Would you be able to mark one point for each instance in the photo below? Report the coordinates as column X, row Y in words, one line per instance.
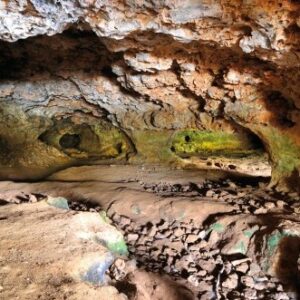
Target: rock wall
column 146, row 70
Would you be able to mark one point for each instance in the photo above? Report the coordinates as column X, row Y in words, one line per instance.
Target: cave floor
column 189, row 235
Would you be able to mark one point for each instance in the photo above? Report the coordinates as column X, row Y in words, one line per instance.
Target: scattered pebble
column 185, row 252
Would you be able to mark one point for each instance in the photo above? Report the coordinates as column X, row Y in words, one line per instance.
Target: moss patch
column 272, row 243
column 285, row 154
column 111, row 238
column 100, row 140
column 218, row 227
column 58, row 202
column 206, row 143
column 153, row 146
column 33, row 146
column 117, row 248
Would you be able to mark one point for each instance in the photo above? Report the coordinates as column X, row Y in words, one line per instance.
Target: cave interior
column 157, row 162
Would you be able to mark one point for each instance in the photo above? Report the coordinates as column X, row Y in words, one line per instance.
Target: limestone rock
column 147, row 68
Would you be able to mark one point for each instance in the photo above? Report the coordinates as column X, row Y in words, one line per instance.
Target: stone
column 261, row 210
column 193, row 248
column 209, row 193
column 124, row 221
column 243, row 268
column 198, row 246
column 178, row 246
column 269, row 205
column 208, row 296
column 280, row 204
column 168, row 233
column 213, row 252
column 132, row 237
column 169, row 84
column 153, row 231
column 279, row 288
column 207, row 265
column 281, row 296
column 191, row 238
column 248, row 281
column 259, row 286
column 227, row 266
column 178, row 232
column 250, row 294
column 231, row 282
column 58, row 202
column 193, row 279
column 160, row 236
column 254, row 269
column 204, row 286
column 168, row 251
column 202, row 273
column 192, row 269
column 240, row 261
column 181, row 264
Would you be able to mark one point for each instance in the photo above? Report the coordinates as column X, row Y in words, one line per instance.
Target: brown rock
column 178, row 232
column 207, row 265
column 231, row 282
column 191, row 238
column 132, row 237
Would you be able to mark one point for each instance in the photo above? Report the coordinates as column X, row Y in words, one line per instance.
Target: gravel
column 184, row 252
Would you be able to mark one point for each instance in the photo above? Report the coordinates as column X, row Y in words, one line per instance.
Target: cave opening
column 69, row 140
column 164, row 180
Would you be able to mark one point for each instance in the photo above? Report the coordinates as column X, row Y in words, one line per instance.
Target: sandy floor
column 44, row 252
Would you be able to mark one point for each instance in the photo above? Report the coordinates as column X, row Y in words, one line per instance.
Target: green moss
column 285, row 154
column 248, row 233
column 104, row 216
column 31, row 148
column 153, row 146
column 113, row 142
column 118, row 248
column 100, row 140
column 192, row 142
column 272, row 243
column 218, row 227
column 240, row 247
column 169, row 147
column 58, row 202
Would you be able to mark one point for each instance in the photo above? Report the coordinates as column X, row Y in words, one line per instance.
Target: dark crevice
column 70, row 140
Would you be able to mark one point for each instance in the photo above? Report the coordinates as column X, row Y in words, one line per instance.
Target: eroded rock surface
column 37, row 263
column 191, row 108
column 150, row 69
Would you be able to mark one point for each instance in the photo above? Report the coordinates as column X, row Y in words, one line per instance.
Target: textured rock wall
column 154, row 67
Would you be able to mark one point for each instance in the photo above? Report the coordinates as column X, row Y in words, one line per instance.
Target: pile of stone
column 84, row 206
column 20, row 197
column 182, row 251
column 246, row 198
